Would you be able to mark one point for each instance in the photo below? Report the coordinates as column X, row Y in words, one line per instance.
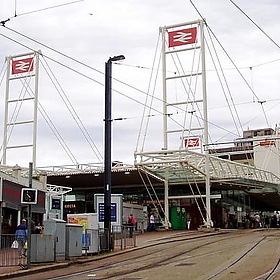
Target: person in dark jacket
column 21, row 237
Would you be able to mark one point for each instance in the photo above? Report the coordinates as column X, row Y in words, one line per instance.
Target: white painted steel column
column 205, row 118
column 4, row 159
column 34, row 136
column 166, row 204
column 165, row 139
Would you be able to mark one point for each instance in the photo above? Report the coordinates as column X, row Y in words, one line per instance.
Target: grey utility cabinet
column 57, row 228
column 42, row 248
column 74, row 233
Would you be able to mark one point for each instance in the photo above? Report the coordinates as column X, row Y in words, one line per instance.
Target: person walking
column 151, row 226
column 131, row 223
column 21, row 238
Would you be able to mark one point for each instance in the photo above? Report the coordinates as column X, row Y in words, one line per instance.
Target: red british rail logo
column 182, row 37
column 22, row 65
column 192, row 142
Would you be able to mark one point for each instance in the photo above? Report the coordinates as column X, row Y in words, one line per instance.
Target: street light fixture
column 107, row 147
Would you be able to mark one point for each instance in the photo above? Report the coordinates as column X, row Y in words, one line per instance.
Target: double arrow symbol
column 22, row 65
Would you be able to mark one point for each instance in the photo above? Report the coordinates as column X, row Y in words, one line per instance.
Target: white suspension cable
column 72, row 111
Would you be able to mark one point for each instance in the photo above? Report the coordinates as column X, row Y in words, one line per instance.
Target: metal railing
column 122, row 237
column 9, row 256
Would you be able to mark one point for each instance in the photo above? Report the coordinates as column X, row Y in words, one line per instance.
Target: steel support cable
column 154, row 191
column 183, row 164
column 148, row 119
column 44, row 9
column 56, row 133
column 77, row 61
column 16, row 111
column 231, row 94
column 72, row 111
column 188, row 91
column 149, row 193
column 183, row 110
column 78, row 71
column 265, row 116
column 219, row 127
column 19, row 103
column 226, row 53
column 195, row 106
column 193, row 92
column 146, row 100
column 144, row 183
column 83, row 75
column 2, row 74
column 53, row 60
column 195, row 198
column 276, row 105
column 181, row 70
column 227, row 87
column 54, row 129
column 255, row 24
column 226, row 83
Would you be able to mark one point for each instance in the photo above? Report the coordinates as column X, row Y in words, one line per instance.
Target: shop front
column 12, row 210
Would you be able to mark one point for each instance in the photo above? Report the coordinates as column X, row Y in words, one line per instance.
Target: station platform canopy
column 190, row 167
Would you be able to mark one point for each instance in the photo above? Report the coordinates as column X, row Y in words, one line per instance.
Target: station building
column 12, row 210
column 232, row 201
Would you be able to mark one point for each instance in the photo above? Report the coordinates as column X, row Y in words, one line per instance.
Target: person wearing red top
column 132, row 223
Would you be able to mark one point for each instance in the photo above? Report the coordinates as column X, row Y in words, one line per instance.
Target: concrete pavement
column 143, row 239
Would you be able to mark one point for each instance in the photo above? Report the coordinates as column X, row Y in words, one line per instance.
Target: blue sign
column 113, row 212
column 86, row 240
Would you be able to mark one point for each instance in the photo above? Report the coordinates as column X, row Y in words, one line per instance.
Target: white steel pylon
column 183, row 49
column 21, row 103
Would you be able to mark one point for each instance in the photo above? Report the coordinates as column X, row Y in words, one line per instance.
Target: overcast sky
column 92, row 31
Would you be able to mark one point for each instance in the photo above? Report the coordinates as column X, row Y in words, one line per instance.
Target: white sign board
column 116, row 209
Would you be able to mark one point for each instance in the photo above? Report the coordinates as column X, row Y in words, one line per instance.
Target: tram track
column 268, row 275
column 218, row 275
column 198, row 256
column 237, row 260
column 155, row 258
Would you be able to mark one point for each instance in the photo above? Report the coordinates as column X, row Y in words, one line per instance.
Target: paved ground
column 178, row 255
column 143, row 239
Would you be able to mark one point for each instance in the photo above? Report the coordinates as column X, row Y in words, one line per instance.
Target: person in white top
column 151, row 226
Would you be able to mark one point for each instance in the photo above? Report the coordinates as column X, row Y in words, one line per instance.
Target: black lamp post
column 107, row 146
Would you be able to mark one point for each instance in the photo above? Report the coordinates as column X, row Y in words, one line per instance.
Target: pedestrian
column 257, row 221
column 21, row 237
column 188, row 221
column 131, row 223
column 151, row 226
